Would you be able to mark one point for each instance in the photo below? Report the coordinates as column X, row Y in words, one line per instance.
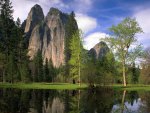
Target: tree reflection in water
column 97, row 100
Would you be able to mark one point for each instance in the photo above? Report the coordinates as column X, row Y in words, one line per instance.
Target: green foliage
column 145, row 67
column 46, row 71
column 75, row 61
column 124, row 36
column 106, row 67
column 11, row 68
column 71, row 29
column 52, row 71
column 10, row 43
column 24, row 68
column 99, row 70
column 135, row 74
column 89, row 72
column 6, row 25
column 38, row 66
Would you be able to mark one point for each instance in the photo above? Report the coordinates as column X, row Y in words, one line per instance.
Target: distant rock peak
column 99, row 50
column 54, row 11
column 35, row 17
column 36, row 6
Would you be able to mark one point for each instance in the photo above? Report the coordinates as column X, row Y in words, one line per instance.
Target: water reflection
column 98, row 100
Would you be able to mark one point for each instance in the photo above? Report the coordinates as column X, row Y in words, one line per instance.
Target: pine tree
column 11, row 68
column 51, row 71
column 24, row 71
column 135, row 74
column 38, row 65
column 46, row 71
column 6, row 23
column 76, row 56
column 71, row 28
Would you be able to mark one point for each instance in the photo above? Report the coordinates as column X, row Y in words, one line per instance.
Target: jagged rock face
column 35, row 17
column 39, row 40
column 23, row 25
column 99, row 50
column 49, row 36
column 54, row 106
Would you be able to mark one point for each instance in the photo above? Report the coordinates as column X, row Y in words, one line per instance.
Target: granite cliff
column 46, row 34
column 99, row 50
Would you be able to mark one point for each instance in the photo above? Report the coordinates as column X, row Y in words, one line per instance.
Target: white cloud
column 22, row 7
column 92, row 39
column 86, row 23
column 82, row 6
column 143, row 19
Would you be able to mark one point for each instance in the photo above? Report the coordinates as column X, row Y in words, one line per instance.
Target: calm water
column 80, row 101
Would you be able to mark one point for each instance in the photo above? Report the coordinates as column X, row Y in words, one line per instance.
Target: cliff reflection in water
column 99, row 100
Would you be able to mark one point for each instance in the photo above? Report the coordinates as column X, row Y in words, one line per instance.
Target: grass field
column 132, row 87
column 43, row 86
column 68, row 86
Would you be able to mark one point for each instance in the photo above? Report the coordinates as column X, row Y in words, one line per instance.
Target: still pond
column 99, row 100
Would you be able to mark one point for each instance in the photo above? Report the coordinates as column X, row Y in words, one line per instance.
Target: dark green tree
column 46, row 71
column 11, row 69
column 52, row 71
column 38, row 65
column 76, row 59
column 135, row 74
column 71, row 28
column 24, row 68
column 6, row 25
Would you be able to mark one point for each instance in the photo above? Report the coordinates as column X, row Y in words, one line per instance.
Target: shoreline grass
column 131, row 87
column 57, row 86
column 69, row 86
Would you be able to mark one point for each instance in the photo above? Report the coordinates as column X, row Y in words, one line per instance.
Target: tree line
column 80, row 66
column 15, row 65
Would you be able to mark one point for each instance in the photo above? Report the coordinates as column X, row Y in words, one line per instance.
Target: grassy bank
column 43, row 86
column 132, row 87
column 62, row 86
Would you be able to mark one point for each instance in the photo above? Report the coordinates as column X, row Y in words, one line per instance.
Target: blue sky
column 94, row 17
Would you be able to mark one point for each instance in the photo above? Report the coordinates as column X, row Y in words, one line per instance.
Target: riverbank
column 68, row 86
column 58, row 86
column 132, row 87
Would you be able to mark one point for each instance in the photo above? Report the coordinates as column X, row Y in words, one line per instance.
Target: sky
column 94, row 17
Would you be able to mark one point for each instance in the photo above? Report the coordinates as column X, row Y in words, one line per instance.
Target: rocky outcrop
column 99, row 50
column 35, row 17
column 47, row 35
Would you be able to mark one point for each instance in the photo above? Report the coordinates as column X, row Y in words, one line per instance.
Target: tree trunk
column 124, row 73
column 79, row 100
column 123, row 100
column 4, row 80
column 79, row 65
column 79, row 75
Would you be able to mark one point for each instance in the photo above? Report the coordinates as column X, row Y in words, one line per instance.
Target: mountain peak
column 35, row 16
column 47, row 35
column 99, row 50
column 54, row 11
column 36, row 6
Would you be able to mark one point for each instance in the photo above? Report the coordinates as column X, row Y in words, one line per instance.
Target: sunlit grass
column 132, row 87
column 69, row 86
column 43, row 86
